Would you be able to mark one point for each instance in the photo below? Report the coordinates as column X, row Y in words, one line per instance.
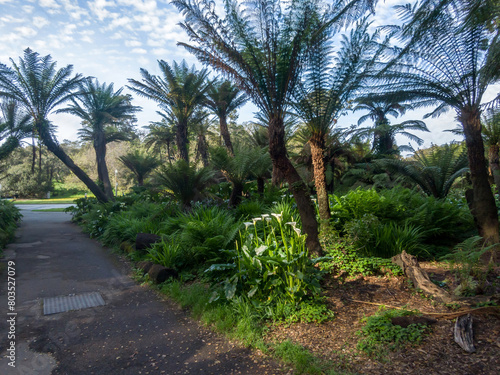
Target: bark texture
column 494, row 160
column 102, row 168
column 224, row 131
column 300, row 191
column 181, row 137
column 318, row 160
column 483, row 202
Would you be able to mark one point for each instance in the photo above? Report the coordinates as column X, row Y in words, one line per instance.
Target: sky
column 112, row 40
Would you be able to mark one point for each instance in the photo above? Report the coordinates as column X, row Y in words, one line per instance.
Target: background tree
column 179, row 93
column 223, row 98
column 161, row 134
column 140, row 164
column 491, row 135
column 106, row 116
column 450, row 63
column 39, row 88
column 383, row 132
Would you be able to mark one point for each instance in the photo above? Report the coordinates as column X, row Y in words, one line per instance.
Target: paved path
column 136, row 332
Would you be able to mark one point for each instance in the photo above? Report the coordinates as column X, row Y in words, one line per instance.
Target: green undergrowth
column 9, row 218
column 379, row 335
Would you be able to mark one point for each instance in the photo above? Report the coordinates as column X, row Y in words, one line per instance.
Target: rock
column 126, row 247
column 145, row 266
column 158, row 274
column 144, row 241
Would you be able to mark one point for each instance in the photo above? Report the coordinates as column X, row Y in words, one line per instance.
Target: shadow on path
column 136, row 332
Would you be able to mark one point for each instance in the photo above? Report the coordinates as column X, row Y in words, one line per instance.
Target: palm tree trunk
column 281, row 163
column 318, row 160
column 102, row 168
column 236, row 193
column 181, row 136
column 61, row 155
column 224, row 131
column 494, row 160
column 483, row 202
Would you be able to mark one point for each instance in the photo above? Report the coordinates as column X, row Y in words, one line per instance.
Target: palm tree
column 383, row 132
column 140, row 164
column 160, row 134
column 106, row 117
column 450, row 63
column 223, row 98
column 239, row 167
column 491, row 136
column 39, row 88
column 179, row 93
column 14, row 126
column 184, row 182
column 325, row 92
column 262, row 52
column 201, row 130
column 434, row 170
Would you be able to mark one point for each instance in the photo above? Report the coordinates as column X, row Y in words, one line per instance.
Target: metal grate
column 60, row 304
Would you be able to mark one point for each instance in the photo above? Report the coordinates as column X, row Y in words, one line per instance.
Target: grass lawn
column 51, row 210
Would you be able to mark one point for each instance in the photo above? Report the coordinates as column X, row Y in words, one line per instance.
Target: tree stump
column 158, row 274
column 419, row 277
column 144, row 241
column 463, row 333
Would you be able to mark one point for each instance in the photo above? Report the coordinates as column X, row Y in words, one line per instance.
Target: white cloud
column 25, row 31
column 120, row 23
column 28, row 9
column 133, row 43
column 140, row 51
column 98, row 7
column 50, row 4
column 74, row 10
column 5, row 1
column 40, row 22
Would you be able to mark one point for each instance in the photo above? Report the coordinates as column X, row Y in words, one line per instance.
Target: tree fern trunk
column 317, row 149
column 181, row 136
column 300, row 191
column 224, row 131
column 483, row 202
column 494, row 160
column 102, row 168
column 236, row 193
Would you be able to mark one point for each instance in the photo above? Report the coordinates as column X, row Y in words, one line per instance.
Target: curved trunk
column 483, row 202
column 494, row 160
column 317, row 148
column 61, row 155
column 102, row 168
column 300, row 191
column 181, row 137
column 224, row 131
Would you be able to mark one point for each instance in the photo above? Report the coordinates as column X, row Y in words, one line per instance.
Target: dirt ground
column 353, row 299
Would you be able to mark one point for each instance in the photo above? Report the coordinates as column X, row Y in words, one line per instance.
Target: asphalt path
column 135, row 332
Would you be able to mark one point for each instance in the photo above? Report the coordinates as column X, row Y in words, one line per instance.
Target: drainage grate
column 60, row 304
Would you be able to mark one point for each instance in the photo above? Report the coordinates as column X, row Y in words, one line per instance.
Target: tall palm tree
column 434, row 170
column 491, row 136
column 261, row 48
column 140, row 164
column 383, row 132
column 223, row 98
column 180, row 92
column 450, row 64
column 39, row 88
column 106, row 116
column 14, row 126
column 325, row 92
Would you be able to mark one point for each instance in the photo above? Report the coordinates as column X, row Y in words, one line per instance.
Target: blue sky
column 112, row 39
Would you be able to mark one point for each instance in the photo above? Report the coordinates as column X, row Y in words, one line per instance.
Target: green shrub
column 9, row 217
column 167, row 253
column 249, row 208
column 379, row 334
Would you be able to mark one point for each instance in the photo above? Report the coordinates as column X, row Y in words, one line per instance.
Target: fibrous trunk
column 224, row 131
column 102, row 168
column 181, row 137
column 300, row 191
column 236, row 193
column 317, row 148
column 483, row 202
